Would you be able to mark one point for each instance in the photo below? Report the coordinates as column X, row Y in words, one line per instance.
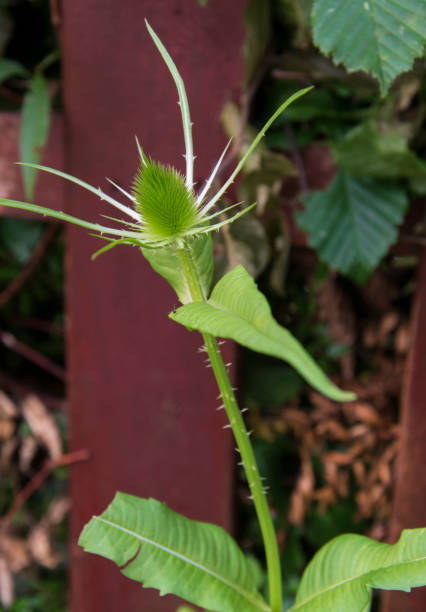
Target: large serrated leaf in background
column 34, row 129
column 236, row 309
column 382, row 37
column 353, row 222
column 371, row 151
column 343, row 573
column 164, row 550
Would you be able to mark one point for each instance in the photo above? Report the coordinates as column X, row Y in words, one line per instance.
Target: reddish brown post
column 141, row 400
column 410, row 494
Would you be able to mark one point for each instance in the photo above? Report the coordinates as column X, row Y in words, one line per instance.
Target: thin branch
column 55, row 14
column 20, row 389
column 32, row 355
column 30, row 266
column 36, row 482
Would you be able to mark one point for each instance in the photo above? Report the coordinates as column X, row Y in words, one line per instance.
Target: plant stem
column 241, row 436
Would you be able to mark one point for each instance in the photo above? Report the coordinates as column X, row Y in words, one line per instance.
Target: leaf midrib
column 246, row 595
column 352, row 578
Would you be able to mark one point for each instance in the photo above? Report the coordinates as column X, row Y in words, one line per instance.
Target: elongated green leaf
column 35, row 120
column 369, row 151
column 11, row 68
column 343, row 573
column 380, row 36
column 237, row 310
column 164, row 550
column 165, row 262
column 353, row 223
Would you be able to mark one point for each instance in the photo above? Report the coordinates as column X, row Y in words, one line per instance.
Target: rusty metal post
column 410, row 493
column 141, row 400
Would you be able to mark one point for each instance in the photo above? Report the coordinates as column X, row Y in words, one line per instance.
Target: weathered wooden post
column 409, row 506
column 140, row 401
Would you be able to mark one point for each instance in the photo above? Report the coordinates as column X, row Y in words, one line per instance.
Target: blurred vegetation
column 343, row 147
column 33, row 560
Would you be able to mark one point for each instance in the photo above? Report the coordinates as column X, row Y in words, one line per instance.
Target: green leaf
column 353, row 223
column 237, row 310
column 11, row 68
column 164, row 550
column 35, row 120
column 369, row 151
column 343, row 573
column 166, row 263
column 379, row 36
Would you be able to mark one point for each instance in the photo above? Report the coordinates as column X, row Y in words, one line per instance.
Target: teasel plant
column 171, row 221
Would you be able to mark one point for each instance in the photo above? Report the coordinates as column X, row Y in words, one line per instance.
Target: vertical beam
column 410, row 493
column 141, row 401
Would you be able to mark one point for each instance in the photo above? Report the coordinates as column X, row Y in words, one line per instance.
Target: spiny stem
column 241, row 436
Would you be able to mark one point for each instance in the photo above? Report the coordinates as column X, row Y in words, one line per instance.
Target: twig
column 47, row 327
column 36, row 257
column 20, row 390
column 36, row 482
column 31, row 354
column 55, row 14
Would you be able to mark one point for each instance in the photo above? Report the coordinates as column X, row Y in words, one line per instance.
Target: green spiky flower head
column 167, row 207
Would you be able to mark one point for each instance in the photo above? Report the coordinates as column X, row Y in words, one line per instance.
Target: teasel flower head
column 164, row 207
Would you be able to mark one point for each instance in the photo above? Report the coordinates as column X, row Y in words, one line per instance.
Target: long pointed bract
column 253, row 145
column 123, row 191
column 103, row 196
column 183, row 103
column 56, row 214
column 212, row 176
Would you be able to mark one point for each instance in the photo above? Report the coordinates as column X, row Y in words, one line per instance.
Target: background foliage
column 351, row 154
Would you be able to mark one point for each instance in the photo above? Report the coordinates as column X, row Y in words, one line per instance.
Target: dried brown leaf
column 402, row 339
column 43, row 425
column 332, row 430
column 27, row 453
column 303, row 491
column 15, row 551
column 364, row 412
column 7, row 429
column 7, row 407
column 41, row 548
column 57, row 511
column 6, row 584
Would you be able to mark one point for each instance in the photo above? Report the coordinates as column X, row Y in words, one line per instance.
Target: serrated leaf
column 35, row 118
column 11, row 68
column 166, row 263
column 369, row 151
column 343, row 573
column 237, row 309
column 382, row 37
column 353, row 223
column 164, row 550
